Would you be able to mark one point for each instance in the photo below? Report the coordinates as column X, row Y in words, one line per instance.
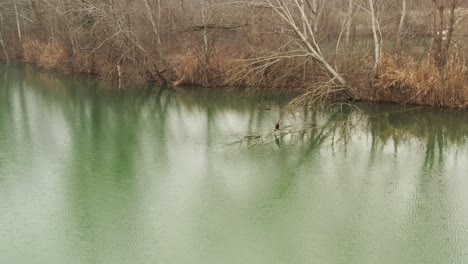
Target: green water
column 89, row 174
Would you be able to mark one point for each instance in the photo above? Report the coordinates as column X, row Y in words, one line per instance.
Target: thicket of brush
column 224, row 67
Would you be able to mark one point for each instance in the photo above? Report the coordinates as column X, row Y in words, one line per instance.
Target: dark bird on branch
column 277, row 127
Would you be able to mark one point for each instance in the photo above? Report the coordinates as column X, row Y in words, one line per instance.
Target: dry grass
column 53, row 56
column 47, row 55
column 32, row 50
column 192, row 68
column 405, row 80
column 226, row 67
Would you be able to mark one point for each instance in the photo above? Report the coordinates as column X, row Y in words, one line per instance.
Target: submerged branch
column 274, row 136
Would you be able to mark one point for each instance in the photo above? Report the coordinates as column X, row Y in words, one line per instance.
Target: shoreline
column 294, row 92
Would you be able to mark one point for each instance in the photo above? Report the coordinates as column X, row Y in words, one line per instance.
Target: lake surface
column 90, row 174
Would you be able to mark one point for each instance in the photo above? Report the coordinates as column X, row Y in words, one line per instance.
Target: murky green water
column 93, row 175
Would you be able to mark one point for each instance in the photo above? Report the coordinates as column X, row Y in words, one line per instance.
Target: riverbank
column 332, row 51
column 404, row 79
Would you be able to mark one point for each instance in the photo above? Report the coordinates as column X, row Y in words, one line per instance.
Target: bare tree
column 317, row 8
column 205, row 14
column 155, row 25
column 68, row 27
column 2, row 41
column 294, row 16
column 373, row 5
column 17, row 21
column 443, row 34
column 401, row 26
column 349, row 22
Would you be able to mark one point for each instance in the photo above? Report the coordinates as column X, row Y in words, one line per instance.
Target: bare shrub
column 32, row 50
column 82, row 63
column 53, row 56
column 103, row 65
column 192, row 67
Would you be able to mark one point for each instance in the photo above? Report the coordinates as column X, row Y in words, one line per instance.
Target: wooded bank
column 404, row 51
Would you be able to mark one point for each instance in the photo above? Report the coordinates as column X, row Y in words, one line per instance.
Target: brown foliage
column 407, row 81
column 82, row 63
column 32, row 50
column 53, row 56
column 48, row 55
column 193, row 68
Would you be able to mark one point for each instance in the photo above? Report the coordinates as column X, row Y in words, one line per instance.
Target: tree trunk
column 67, row 25
column 401, row 27
column 318, row 13
column 4, row 48
column 304, row 23
column 7, row 58
column 451, row 27
column 319, row 57
column 206, row 43
column 377, row 40
column 349, row 17
column 155, row 27
column 17, row 21
column 119, row 75
column 153, row 22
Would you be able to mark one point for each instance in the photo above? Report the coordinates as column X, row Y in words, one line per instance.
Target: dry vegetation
column 406, row 80
column 353, row 49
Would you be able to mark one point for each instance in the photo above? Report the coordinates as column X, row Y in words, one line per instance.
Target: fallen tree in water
column 291, row 133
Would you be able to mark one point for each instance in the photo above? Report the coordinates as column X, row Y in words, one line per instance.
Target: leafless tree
column 401, row 26
column 349, row 22
column 373, row 6
column 442, row 32
column 2, row 41
column 294, row 16
column 17, row 20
